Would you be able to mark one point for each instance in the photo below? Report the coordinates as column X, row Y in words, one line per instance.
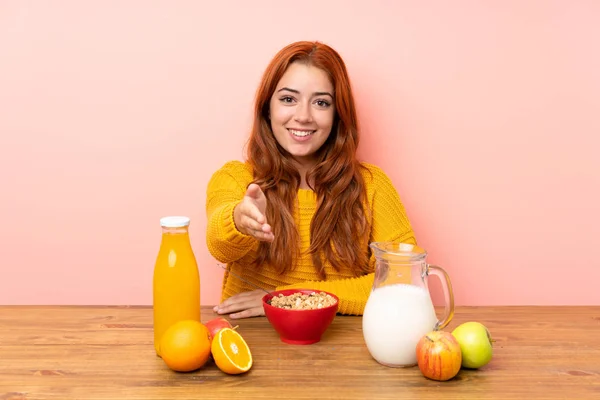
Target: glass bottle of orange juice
column 176, row 286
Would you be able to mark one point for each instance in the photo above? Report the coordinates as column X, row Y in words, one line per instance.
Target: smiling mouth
column 300, row 133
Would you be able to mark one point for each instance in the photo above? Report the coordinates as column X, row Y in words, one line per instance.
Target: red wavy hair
column 339, row 225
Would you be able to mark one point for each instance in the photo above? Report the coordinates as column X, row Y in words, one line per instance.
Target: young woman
column 302, row 210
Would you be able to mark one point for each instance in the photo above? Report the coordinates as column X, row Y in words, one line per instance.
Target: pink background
column 115, row 113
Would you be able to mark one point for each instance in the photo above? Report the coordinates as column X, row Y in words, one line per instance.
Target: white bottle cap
column 174, row 222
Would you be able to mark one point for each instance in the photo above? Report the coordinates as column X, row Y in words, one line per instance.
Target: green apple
column 475, row 344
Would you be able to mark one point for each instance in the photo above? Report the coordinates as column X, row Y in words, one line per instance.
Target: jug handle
column 448, row 294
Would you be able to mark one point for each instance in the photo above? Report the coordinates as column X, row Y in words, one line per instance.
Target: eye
column 323, row 103
column 287, row 99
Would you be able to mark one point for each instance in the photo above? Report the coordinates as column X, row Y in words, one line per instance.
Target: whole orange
column 185, row 346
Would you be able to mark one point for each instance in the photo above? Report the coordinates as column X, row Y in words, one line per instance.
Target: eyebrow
column 298, row 92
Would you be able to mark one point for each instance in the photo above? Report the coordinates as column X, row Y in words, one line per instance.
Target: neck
column 303, row 167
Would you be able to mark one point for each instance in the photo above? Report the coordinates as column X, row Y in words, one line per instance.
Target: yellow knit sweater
column 228, row 245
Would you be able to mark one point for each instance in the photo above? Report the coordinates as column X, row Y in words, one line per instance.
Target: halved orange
column 231, row 352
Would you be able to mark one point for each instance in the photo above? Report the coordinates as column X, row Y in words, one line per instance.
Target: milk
column 395, row 318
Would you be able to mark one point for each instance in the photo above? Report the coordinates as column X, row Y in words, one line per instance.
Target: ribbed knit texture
column 228, row 245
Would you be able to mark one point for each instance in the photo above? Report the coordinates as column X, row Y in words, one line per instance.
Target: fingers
column 236, row 299
column 266, row 237
column 243, row 305
column 252, row 312
column 254, row 191
column 253, row 224
column 262, row 232
column 256, row 203
column 234, row 307
column 249, row 218
column 263, row 236
column 254, row 214
column 252, row 220
column 257, row 230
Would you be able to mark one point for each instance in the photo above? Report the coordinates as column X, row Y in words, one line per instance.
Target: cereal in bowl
column 303, row 301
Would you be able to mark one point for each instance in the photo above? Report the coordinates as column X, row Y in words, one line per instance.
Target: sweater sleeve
column 389, row 224
column 226, row 189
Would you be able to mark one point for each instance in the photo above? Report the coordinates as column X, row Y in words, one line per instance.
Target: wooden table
column 107, row 353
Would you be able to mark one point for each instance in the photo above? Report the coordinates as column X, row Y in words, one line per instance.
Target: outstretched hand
column 250, row 215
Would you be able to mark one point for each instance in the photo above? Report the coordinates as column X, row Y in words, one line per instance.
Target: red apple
column 216, row 324
column 439, row 355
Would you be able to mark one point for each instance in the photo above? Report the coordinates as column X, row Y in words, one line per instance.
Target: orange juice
column 176, row 286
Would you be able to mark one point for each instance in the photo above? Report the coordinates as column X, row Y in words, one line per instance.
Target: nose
column 303, row 113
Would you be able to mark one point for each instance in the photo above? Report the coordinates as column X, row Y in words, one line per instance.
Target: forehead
column 300, row 76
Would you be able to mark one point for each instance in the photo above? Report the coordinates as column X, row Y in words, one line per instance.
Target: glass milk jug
column 176, row 283
column 399, row 310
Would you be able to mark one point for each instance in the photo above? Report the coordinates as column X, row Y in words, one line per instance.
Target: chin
column 302, row 157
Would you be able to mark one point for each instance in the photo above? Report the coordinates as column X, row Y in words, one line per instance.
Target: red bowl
column 299, row 326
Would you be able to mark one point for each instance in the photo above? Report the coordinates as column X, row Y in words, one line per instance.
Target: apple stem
column 235, row 327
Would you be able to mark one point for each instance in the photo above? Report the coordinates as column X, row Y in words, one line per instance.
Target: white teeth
column 301, row 133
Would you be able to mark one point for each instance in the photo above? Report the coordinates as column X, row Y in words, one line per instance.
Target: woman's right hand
column 249, row 215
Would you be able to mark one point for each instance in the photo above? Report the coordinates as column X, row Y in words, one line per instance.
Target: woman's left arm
column 352, row 292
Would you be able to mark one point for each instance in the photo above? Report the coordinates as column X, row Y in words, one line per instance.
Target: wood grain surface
column 107, row 353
